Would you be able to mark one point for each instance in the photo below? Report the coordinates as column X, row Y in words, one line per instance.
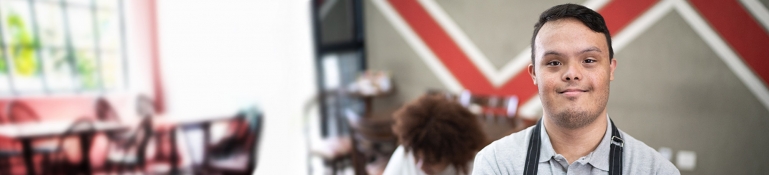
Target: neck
column 577, row 142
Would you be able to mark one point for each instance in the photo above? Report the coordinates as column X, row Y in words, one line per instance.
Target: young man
column 572, row 65
column 437, row 136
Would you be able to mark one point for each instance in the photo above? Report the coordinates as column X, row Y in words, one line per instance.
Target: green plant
column 86, row 69
column 22, row 47
column 3, row 65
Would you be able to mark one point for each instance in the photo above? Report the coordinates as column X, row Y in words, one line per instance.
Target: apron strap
column 532, row 153
column 615, row 154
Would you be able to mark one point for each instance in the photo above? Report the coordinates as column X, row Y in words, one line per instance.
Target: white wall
column 219, row 55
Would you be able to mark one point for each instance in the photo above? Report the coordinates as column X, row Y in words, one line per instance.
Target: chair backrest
column 19, row 112
column 138, row 140
column 246, row 138
column 490, row 105
column 497, row 114
column 256, row 131
column 105, row 111
column 249, row 127
column 137, row 137
column 142, row 139
column 83, row 124
column 145, row 106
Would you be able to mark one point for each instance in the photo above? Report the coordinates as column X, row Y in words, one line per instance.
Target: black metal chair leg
column 5, row 165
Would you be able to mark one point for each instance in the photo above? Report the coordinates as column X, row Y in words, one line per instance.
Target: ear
column 612, row 66
column 533, row 74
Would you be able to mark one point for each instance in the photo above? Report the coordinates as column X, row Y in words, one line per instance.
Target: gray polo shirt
column 507, row 156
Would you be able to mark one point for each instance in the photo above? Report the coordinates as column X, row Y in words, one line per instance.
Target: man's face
column 572, row 71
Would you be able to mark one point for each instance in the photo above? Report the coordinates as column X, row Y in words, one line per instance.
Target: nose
column 573, row 72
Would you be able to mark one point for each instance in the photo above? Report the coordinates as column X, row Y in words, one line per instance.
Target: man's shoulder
column 504, row 155
column 510, row 144
column 639, row 157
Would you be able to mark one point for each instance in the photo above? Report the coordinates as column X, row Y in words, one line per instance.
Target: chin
column 574, row 118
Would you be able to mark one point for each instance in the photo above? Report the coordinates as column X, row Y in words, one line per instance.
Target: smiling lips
column 572, row 92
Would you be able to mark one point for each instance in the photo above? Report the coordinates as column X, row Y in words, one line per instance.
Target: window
column 61, row 47
column 340, row 58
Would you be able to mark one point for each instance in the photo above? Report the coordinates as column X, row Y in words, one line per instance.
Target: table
column 177, row 120
column 27, row 132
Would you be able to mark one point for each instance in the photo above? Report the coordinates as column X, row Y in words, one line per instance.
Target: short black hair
column 587, row 16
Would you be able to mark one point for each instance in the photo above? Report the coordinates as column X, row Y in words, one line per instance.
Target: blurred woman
column 437, row 136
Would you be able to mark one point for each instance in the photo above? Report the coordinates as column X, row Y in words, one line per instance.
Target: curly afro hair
column 439, row 129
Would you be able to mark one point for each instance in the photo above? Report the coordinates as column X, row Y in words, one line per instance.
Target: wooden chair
column 373, row 141
column 125, row 150
column 334, row 151
column 237, row 153
column 497, row 113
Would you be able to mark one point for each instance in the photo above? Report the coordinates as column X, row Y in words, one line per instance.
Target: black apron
column 615, row 154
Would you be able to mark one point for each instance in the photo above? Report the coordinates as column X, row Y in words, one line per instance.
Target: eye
column 553, row 63
column 590, row 60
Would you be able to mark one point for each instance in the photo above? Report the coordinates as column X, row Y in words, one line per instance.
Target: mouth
column 572, row 92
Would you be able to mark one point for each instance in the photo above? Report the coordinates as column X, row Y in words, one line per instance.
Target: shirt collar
column 599, row 158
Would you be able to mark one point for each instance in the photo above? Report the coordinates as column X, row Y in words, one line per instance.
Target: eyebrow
column 590, row 49
column 551, row 52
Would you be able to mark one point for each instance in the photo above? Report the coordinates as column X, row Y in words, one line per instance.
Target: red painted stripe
column 520, row 85
column 443, row 46
column 740, row 30
column 619, row 13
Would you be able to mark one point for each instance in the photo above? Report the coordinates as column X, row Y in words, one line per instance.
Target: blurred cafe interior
column 328, row 86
